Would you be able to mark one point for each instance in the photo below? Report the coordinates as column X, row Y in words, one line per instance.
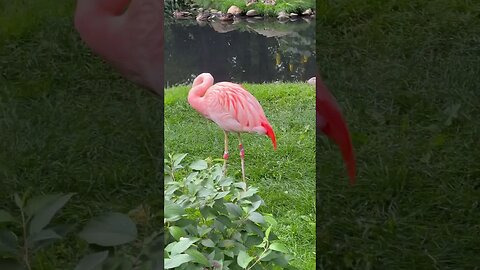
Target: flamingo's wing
column 234, row 108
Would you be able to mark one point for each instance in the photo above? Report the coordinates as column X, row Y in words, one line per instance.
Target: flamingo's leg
column 225, row 154
column 242, row 155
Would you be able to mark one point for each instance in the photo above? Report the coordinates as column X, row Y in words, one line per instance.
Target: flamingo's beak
column 331, row 123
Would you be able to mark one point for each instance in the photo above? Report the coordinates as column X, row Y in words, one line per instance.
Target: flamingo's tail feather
column 270, row 133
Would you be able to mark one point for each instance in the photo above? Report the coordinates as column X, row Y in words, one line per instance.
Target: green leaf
column 92, row 261
column 198, row 257
column 243, row 259
column 177, row 260
column 111, row 229
column 5, row 217
column 183, row 244
column 172, row 211
column 270, row 220
column 234, row 209
column 177, row 159
column 8, row 242
column 221, row 194
column 265, row 254
column 177, row 232
column 256, row 217
column 208, row 243
column 255, row 206
column 241, row 185
column 254, row 228
column 245, row 194
column 199, row 165
column 203, row 230
column 277, row 246
column 36, row 203
column 47, row 234
column 267, row 233
column 43, row 215
column 227, row 243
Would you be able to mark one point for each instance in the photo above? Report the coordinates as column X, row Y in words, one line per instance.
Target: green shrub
column 24, row 236
column 213, row 222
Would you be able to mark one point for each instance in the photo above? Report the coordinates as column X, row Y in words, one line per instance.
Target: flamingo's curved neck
column 199, row 88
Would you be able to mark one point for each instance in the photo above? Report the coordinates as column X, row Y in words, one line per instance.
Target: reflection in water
column 252, row 50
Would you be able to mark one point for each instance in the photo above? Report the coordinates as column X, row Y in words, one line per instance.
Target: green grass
column 288, row 6
column 406, row 75
column 285, row 177
column 68, row 123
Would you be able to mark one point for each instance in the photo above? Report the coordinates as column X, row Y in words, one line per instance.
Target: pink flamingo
column 231, row 107
column 128, row 34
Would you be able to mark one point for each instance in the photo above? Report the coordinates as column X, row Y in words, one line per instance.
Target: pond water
column 248, row 50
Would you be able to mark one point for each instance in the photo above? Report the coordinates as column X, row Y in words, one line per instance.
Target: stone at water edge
column 234, row 10
column 214, row 11
column 252, row 13
column 250, row 2
column 293, row 15
column 269, row 2
column 312, row 80
column 282, row 15
column 226, row 17
column 307, row 12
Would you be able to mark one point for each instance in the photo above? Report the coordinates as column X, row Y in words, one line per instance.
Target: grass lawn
column 406, row 74
column 68, row 123
column 285, row 177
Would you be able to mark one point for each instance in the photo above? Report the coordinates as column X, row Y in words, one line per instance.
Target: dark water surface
column 253, row 50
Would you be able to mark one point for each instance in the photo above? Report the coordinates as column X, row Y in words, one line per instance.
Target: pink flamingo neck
column 200, row 85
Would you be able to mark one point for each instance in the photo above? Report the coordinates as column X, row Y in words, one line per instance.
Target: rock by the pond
column 252, row 13
column 234, row 10
column 312, row 80
column 293, row 14
column 226, row 17
column 214, row 11
column 269, row 2
column 282, row 16
column 307, row 12
column 181, row 14
column 250, row 2
column 203, row 16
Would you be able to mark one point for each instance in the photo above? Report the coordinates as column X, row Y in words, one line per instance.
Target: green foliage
column 213, row 222
column 23, row 236
column 117, row 230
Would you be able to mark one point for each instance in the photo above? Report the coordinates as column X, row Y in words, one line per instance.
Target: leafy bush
column 21, row 238
column 213, row 222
